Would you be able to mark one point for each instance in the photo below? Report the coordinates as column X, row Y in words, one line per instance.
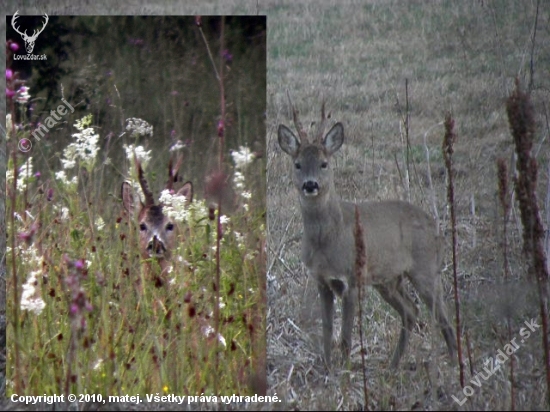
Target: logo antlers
column 29, row 40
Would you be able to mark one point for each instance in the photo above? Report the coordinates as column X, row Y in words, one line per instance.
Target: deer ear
column 127, row 197
column 288, row 140
column 187, row 191
column 334, row 138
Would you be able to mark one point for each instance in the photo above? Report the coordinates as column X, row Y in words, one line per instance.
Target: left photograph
column 135, row 205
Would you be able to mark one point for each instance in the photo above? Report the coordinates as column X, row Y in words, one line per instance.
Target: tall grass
column 87, row 317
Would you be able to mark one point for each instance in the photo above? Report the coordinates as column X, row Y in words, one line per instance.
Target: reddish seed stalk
column 360, row 260
column 448, row 141
column 503, row 192
column 522, row 126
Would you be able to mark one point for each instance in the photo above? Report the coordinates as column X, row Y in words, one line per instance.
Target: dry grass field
column 457, row 57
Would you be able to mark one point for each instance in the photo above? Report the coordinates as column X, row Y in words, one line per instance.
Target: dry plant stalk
column 448, row 150
column 522, row 126
column 502, row 173
column 360, row 260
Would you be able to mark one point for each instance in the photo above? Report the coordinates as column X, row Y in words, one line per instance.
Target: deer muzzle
column 156, row 248
column 310, row 188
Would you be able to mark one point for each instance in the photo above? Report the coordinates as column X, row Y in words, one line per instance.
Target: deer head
column 29, row 40
column 157, row 234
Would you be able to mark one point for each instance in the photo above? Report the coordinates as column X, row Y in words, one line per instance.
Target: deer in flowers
column 157, row 231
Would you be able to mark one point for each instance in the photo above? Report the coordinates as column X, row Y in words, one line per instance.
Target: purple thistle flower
column 74, row 309
column 14, row 47
column 228, row 57
column 9, row 74
column 79, row 264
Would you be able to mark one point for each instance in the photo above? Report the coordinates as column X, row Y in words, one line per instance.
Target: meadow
column 84, row 314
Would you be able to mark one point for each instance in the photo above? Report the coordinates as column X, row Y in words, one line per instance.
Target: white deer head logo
column 29, row 40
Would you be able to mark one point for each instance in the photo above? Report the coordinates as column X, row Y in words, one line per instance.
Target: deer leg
column 327, row 312
column 396, row 296
column 432, row 295
column 348, row 314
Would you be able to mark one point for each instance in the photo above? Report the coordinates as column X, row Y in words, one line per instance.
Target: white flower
column 98, row 364
column 9, row 126
column 30, row 298
column 238, row 180
column 99, row 223
column 62, row 177
column 141, row 155
column 208, row 331
column 138, row 127
column 23, row 175
column 174, row 205
column 22, row 95
column 243, row 157
column 240, row 240
column 177, row 146
column 85, row 148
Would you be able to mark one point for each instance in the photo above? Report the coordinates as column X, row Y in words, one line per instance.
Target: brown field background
column 459, row 57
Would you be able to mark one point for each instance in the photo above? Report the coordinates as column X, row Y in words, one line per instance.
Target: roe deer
column 400, row 240
column 157, row 231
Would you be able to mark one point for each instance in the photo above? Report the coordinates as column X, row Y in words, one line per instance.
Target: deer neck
column 322, row 216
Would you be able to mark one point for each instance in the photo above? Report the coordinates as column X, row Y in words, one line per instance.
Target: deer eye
column 324, row 165
column 142, row 227
column 298, row 166
column 170, row 226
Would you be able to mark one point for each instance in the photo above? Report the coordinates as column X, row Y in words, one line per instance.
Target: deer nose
column 310, row 188
column 156, row 247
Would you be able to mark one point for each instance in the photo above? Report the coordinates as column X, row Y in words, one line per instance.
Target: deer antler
column 149, row 199
column 301, row 133
column 173, row 172
column 321, row 127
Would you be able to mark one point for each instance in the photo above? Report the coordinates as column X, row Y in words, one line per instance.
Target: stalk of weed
column 221, row 136
column 15, row 285
column 502, row 174
column 522, row 127
column 360, row 260
column 448, row 142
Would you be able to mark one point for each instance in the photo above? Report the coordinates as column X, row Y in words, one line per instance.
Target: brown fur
column 157, row 234
column 400, row 241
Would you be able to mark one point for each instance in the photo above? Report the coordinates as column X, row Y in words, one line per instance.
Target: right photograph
column 408, row 192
